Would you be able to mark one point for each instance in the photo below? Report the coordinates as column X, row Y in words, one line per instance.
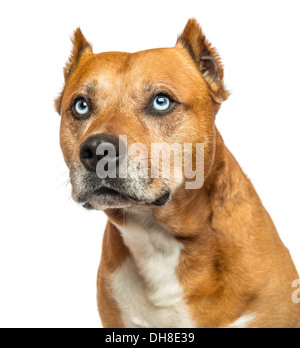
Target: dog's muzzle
column 102, row 156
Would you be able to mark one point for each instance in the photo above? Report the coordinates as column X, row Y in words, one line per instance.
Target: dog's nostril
column 86, row 153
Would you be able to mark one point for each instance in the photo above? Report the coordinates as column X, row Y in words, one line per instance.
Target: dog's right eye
column 161, row 103
column 81, row 108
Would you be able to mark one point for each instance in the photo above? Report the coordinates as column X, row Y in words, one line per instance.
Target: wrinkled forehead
column 115, row 73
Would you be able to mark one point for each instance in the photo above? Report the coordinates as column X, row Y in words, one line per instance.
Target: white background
column 49, row 247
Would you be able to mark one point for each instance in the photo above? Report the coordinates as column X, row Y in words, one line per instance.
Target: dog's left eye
column 81, row 107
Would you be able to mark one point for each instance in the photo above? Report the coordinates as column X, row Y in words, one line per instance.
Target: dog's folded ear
column 80, row 47
column 206, row 58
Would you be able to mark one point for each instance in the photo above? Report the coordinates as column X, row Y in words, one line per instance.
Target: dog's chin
column 106, row 198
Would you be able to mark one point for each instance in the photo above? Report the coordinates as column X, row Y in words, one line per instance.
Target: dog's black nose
column 112, row 148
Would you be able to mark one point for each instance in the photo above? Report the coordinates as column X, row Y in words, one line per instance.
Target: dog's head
column 121, row 112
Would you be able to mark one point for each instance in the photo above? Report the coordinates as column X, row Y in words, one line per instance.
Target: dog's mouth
column 106, row 197
column 105, row 191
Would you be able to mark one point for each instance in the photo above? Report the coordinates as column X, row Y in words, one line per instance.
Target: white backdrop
column 50, row 247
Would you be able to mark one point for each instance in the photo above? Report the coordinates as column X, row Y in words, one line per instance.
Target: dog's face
column 120, row 101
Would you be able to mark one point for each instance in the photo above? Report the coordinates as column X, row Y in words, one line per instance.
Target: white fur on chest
column 243, row 322
column 146, row 287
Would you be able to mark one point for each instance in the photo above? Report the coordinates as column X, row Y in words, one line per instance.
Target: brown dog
column 172, row 256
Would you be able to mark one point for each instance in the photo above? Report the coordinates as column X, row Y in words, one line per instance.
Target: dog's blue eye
column 81, row 107
column 161, row 103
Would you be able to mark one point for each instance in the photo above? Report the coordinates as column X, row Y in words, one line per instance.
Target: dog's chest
column 146, row 287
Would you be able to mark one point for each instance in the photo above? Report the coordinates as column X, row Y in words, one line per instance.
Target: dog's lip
column 106, row 191
column 115, row 195
column 108, row 194
column 105, row 197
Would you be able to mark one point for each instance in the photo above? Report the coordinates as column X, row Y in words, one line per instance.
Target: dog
column 174, row 256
